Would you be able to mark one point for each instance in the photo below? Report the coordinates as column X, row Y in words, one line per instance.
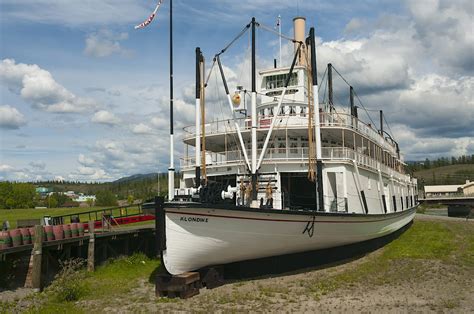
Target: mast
column 171, row 168
column 203, row 119
column 279, row 32
column 381, row 123
column 198, row 118
column 319, row 164
column 353, row 108
column 254, row 117
column 330, row 91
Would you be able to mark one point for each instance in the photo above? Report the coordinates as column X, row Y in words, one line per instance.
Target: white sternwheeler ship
column 294, row 174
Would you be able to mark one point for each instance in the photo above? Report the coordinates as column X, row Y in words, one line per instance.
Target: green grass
column 113, row 280
column 447, row 242
column 12, row 215
column 407, row 258
column 453, row 174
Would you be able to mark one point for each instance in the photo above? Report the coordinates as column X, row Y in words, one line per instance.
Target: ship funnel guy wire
column 283, row 92
column 236, row 124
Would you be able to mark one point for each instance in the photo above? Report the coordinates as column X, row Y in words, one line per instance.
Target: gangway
column 119, row 215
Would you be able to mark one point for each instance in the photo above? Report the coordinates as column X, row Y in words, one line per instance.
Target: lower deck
column 347, row 187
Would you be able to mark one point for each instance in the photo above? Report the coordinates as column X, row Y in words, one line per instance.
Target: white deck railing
column 328, row 120
column 288, row 155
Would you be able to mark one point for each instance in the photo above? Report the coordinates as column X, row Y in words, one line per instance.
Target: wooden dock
column 36, row 264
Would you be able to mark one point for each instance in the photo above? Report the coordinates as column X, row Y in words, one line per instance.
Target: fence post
column 91, row 248
column 37, row 258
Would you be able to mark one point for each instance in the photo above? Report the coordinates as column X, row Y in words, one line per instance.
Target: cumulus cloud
column 37, row 171
column 11, row 118
column 445, row 29
column 75, row 13
column 105, row 117
column 85, row 161
column 105, row 43
column 38, row 165
column 142, row 128
column 38, row 87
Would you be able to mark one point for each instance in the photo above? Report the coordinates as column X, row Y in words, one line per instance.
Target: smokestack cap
column 299, row 17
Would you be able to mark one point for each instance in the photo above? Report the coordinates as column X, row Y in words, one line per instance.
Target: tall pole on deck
column 330, row 90
column 279, row 32
column 254, row 117
column 381, row 123
column 198, row 118
column 171, row 168
column 319, row 164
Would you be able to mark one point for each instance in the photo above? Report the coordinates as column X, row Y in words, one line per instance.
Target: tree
column 130, row 199
column 105, row 198
column 90, row 201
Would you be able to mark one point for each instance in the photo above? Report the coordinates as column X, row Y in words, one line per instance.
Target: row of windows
column 284, row 110
column 276, row 81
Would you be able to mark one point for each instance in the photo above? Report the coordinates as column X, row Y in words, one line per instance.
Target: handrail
column 327, row 120
column 286, row 154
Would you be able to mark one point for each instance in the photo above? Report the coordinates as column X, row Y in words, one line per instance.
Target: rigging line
column 210, row 71
column 341, row 76
column 269, row 29
column 235, row 39
column 388, row 125
column 227, row 128
column 322, row 79
column 360, row 102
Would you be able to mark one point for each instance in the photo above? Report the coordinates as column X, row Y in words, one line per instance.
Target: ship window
column 292, row 110
column 281, row 148
column 274, row 93
column 294, row 148
column 277, row 81
column 270, row 113
column 282, row 110
column 303, row 111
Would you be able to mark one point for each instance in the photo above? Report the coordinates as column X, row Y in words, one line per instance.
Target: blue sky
column 84, row 96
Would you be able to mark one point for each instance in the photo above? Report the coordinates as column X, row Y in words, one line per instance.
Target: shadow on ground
column 302, row 262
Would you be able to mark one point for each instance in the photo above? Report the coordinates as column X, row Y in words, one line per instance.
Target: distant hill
column 137, row 177
column 140, row 186
column 452, row 174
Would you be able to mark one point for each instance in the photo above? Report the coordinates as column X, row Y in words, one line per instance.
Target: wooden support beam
column 37, row 259
column 91, row 249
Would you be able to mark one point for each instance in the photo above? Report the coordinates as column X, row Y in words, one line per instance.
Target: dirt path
column 420, row 286
column 374, row 283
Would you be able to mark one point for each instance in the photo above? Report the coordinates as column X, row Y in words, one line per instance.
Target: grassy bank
column 430, row 267
column 12, row 215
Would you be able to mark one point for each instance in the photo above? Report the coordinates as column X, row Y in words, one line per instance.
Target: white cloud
column 105, row 43
column 445, row 28
column 11, row 118
column 85, row 161
column 38, row 87
column 59, row 178
column 142, row 128
column 40, row 165
column 76, row 13
column 105, row 117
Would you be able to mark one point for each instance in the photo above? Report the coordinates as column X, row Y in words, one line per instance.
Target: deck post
column 198, row 119
column 37, row 259
column 91, row 248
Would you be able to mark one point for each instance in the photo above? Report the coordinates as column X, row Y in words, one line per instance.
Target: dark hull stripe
column 291, row 220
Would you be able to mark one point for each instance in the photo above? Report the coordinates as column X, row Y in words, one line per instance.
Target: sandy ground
column 409, row 286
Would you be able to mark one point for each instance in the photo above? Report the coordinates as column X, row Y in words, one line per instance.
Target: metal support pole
column 254, row 118
column 198, row 119
column 171, row 167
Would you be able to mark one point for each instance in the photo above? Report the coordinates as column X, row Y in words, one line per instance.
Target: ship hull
column 197, row 237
